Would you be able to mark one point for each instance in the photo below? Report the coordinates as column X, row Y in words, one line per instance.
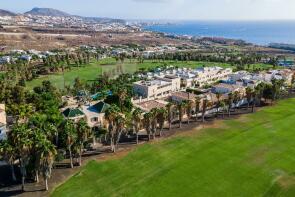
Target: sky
column 166, row 9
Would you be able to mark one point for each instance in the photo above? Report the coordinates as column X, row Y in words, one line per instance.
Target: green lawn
column 109, row 65
column 250, row 156
column 92, row 70
column 87, row 72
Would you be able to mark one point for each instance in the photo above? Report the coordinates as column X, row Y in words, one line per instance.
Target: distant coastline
column 256, row 32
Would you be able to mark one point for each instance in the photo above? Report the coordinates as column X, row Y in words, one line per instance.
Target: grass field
column 249, row 156
column 92, row 70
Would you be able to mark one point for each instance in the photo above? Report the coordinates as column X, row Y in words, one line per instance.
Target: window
column 94, row 119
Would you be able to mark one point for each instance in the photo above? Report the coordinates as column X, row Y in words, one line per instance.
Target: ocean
column 257, row 32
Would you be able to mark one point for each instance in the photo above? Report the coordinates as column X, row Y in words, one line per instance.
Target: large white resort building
column 163, row 83
column 158, row 87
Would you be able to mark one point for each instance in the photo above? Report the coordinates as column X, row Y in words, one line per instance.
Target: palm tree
column 136, row 117
column 122, row 94
column 218, row 96
column 154, row 114
column 204, row 108
column 222, row 105
column 21, row 138
column 180, row 107
column 8, row 153
column 249, row 96
column 110, row 116
column 47, row 153
column 254, row 95
column 229, row 102
column 120, row 122
column 83, row 131
column 162, row 115
column 197, row 106
column 236, row 98
column 71, row 135
column 147, row 123
column 169, row 108
column 189, row 106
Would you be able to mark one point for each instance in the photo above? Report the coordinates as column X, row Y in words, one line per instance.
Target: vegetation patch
column 209, row 164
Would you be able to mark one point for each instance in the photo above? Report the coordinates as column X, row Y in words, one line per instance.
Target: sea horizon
column 260, row 32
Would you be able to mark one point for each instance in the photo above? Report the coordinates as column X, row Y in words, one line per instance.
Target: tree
column 48, row 152
column 147, row 124
column 229, row 103
column 154, row 114
column 83, row 132
column 249, row 96
column 204, row 108
column 180, row 107
column 136, row 119
column 197, row 106
column 223, row 106
column 70, row 135
column 189, row 106
column 8, row 153
column 122, row 94
column 161, row 117
column 170, row 107
column 110, row 115
column 21, row 138
column 120, row 122
column 218, row 96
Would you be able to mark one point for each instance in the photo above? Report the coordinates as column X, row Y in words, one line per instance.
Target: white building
column 5, row 60
column 209, row 75
column 158, row 87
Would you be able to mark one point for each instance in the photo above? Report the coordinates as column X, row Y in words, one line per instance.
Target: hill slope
column 250, row 156
column 47, row 12
column 6, row 13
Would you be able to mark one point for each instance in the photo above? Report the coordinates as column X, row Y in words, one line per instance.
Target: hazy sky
column 166, row 9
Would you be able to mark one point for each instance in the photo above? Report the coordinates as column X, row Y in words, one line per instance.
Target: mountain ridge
column 47, row 12
column 6, row 13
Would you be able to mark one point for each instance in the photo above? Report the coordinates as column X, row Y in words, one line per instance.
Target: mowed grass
column 87, row 72
column 91, row 71
column 250, row 156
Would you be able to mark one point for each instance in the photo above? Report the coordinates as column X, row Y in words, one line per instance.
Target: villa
column 74, row 114
column 95, row 114
column 149, row 105
column 224, row 88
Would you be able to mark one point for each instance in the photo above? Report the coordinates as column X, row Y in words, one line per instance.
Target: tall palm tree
column 120, row 128
column 229, row 102
column 189, row 106
column 154, row 114
column 122, row 94
column 249, row 96
column 8, row 153
column 223, row 105
column 161, row 117
column 180, row 107
column 197, row 106
column 218, row 96
column 110, row 116
column 21, row 138
column 147, row 123
column 71, row 136
column 83, row 132
column 47, row 153
column 136, row 118
column 236, row 98
column 169, row 108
